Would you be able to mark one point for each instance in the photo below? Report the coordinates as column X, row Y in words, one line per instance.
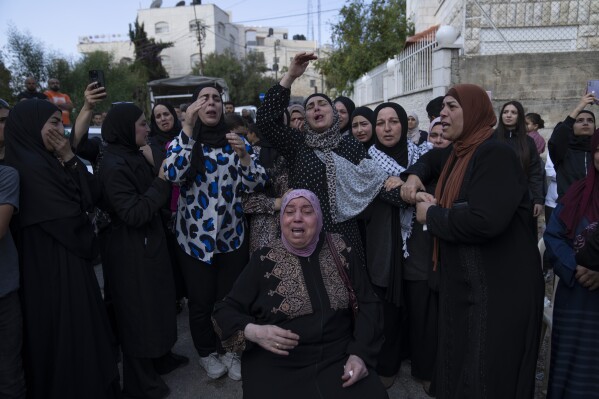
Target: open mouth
column 318, row 117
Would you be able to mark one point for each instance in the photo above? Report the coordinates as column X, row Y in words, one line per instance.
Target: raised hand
column 297, row 67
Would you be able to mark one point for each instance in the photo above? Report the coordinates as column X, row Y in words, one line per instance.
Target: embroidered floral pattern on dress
column 292, row 286
column 235, row 343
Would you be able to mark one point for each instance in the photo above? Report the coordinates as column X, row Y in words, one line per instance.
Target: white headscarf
column 414, row 133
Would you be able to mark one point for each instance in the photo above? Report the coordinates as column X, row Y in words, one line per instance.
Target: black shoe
column 169, row 362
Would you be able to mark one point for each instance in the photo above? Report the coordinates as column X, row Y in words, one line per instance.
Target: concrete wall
column 548, row 84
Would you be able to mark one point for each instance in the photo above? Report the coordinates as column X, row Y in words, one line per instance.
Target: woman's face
column 530, row 126
column 342, row 111
column 584, row 125
column 361, row 128
column 212, row 110
column 452, row 118
column 436, row 137
column 53, row 123
column 299, row 222
column 164, row 119
column 509, row 116
column 388, row 127
column 141, row 131
column 412, row 122
column 319, row 114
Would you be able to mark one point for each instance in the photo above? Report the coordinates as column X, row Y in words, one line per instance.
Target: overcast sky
column 59, row 23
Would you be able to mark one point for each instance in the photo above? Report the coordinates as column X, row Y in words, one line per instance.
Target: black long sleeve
column 559, row 140
column 495, row 189
column 133, row 208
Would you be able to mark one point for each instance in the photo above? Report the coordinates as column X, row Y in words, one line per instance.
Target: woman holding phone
column 69, row 349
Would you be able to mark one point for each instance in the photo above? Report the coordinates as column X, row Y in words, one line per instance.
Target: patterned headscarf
column 313, row 199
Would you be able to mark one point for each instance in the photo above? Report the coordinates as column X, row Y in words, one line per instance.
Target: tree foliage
column 25, row 57
column 147, row 52
column 5, row 91
column 244, row 77
column 365, row 36
column 123, row 83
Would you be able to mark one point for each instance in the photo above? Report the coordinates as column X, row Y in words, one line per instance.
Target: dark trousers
column 206, row 284
column 423, row 310
column 390, row 356
column 140, row 379
column 12, row 381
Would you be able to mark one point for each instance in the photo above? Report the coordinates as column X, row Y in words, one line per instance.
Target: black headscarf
column 399, row 152
column 583, row 142
column 118, row 131
column 48, row 191
column 214, row 136
column 349, row 106
column 155, row 130
column 118, row 127
column 368, row 114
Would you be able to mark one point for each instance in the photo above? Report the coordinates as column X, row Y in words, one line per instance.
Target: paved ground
column 191, row 382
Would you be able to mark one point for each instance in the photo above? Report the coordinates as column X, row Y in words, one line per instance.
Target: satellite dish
column 180, row 4
column 156, row 4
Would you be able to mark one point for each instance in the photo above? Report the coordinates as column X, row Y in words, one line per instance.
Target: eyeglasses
column 4, row 104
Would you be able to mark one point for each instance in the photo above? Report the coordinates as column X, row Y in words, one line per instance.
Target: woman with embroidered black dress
column 491, row 284
column 135, row 254
column 292, row 313
column 68, row 348
column 213, row 167
column 336, row 168
column 262, row 207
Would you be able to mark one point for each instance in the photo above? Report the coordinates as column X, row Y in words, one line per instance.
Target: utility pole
column 275, row 60
column 201, row 36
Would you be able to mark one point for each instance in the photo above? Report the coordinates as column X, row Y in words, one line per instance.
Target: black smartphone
column 97, row 75
column 593, row 87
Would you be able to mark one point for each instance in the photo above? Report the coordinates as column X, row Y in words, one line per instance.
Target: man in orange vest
column 61, row 100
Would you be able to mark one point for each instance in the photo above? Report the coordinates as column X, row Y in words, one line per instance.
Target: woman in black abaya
column 135, row 255
column 69, row 350
column 164, row 127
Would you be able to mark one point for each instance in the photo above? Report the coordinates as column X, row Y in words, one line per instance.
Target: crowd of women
column 318, row 249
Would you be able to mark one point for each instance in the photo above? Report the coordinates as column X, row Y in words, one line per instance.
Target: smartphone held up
column 593, row 87
column 97, row 76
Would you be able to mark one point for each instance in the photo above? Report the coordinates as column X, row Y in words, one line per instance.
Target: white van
column 253, row 110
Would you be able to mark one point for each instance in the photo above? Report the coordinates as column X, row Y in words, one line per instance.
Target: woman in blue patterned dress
column 575, row 334
column 214, row 168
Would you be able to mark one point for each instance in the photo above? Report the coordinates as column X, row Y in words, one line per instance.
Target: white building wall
column 221, row 35
column 121, row 50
